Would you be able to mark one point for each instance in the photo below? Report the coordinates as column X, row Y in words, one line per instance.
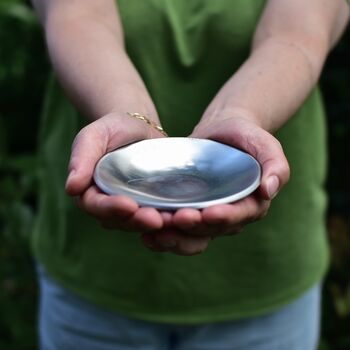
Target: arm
column 290, row 45
column 292, row 40
column 86, row 46
column 85, row 42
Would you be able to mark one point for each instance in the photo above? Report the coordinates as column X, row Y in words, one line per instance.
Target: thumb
column 275, row 168
column 88, row 147
column 259, row 143
column 93, row 142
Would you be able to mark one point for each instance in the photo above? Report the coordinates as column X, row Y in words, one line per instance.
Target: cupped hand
column 188, row 231
column 92, row 142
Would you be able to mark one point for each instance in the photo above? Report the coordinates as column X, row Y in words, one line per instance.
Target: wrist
column 127, row 97
column 129, row 125
column 218, row 115
column 144, row 118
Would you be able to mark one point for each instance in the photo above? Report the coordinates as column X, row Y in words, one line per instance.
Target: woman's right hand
column 93, row 142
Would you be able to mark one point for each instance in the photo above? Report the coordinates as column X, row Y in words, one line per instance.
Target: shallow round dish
column 175, row 172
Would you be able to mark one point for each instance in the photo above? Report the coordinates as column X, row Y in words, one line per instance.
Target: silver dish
column 178, row 172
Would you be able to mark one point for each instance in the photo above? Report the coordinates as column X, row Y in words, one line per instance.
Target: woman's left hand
column 282, row 68
column 189, row 231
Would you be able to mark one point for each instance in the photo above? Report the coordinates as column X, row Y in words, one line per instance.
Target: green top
column 185, row 51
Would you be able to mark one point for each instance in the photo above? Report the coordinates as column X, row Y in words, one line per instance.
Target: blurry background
column 23, row 73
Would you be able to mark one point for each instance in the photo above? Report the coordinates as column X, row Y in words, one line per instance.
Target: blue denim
column 67, row 322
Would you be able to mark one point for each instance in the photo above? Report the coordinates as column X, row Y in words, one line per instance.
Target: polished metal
column 178, row 172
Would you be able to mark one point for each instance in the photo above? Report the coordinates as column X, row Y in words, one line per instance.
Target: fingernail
column 273, row 184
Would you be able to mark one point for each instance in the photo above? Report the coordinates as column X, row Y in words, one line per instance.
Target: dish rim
column 175, row 206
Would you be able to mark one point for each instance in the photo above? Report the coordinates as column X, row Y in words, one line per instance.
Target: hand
column 188, row 231
column 94, row 141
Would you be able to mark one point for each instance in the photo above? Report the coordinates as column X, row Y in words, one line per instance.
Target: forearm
column 285, row 63
column 269, row 87
column 90, row 61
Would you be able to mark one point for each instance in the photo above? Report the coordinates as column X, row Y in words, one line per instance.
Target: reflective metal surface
column 172, row 173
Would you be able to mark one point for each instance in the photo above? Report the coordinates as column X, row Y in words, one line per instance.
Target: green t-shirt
column 185, row 51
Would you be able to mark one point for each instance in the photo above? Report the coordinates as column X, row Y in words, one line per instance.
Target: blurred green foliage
column 336, row 295
column 23, row 72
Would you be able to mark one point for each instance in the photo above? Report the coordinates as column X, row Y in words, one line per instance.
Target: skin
column 85, row 42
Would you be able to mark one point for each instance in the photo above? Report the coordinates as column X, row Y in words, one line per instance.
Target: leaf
column 19, row 11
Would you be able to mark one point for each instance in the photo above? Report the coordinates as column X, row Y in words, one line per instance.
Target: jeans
column 68, row 322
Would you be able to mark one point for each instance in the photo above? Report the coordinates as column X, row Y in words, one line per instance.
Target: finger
column 167, row 218
column 202, row 229
column 267, row 150
column 189, row 245
column 103, row 206
column 229, row 231
column 145, row 219
column 269, row 153
column 149, row 242
column 187, row 218
column 190, row 221
column 242, row 212
column 275, row 168
column 179, row 243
